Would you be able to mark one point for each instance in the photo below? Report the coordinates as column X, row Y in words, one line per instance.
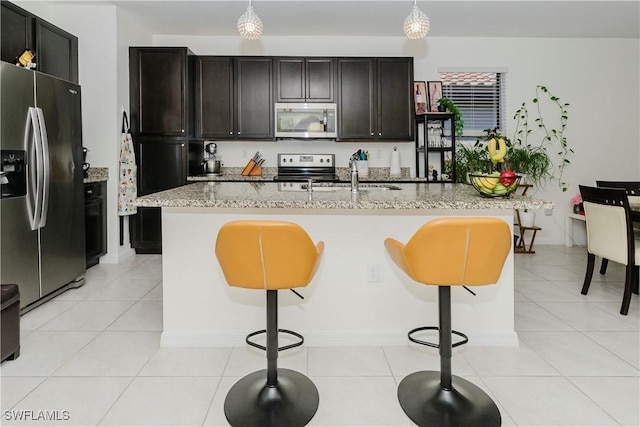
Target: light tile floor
column 93, row 355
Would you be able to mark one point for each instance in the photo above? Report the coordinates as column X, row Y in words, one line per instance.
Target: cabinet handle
column 379, row 133
column 230, row 132
column 89, row 192
column 371, row 133
column 238, row 133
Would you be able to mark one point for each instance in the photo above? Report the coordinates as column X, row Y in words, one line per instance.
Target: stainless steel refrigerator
column 42, row 206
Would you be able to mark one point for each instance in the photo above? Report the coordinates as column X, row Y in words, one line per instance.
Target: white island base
column 341, row 307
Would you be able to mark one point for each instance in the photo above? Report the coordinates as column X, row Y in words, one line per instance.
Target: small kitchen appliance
column 302, row 167
column 211, row 165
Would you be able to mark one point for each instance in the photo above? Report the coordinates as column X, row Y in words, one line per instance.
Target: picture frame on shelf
column 434, row 89
column 420, row 97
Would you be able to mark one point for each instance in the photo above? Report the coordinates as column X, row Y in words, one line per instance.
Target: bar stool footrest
column 283, row 331
column 464, row 340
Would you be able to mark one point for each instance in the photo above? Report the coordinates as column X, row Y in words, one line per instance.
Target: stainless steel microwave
column 306, row 120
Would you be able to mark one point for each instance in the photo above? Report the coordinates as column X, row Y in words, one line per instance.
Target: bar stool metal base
column 427, row 403
column 293, row 401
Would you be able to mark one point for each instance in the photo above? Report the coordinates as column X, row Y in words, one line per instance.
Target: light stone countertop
column 96, row 175
column 411, row 196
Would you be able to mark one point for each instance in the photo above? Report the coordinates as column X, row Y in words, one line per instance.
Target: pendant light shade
column 250, row 24
column 417, row 24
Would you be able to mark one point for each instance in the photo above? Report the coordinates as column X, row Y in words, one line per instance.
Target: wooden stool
column 450, row 252
column 269, row 255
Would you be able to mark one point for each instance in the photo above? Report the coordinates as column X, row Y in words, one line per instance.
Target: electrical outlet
column 373, row 273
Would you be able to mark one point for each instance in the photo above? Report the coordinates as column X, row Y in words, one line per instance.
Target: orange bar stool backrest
column 269, row 256
column 449, row 252
column 454, row 251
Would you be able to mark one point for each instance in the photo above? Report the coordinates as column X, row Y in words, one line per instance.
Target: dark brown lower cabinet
column 95, row 221
column 162, row 164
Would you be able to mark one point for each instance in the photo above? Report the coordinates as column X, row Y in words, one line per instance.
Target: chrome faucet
column 354, row 176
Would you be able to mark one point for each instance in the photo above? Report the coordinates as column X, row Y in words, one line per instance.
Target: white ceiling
column 450, row 18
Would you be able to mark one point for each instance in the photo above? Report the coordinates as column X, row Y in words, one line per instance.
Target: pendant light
column 250, row 24
column 417, row 24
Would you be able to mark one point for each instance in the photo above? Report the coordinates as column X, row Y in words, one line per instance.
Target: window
column 479, row 96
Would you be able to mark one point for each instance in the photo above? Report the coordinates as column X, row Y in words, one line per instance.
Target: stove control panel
column 306, row 160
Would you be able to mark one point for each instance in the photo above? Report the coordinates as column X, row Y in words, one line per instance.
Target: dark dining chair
column 633, row 193
column 610, row 235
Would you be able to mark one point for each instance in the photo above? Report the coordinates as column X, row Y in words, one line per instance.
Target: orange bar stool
column 269, row 255
column 450, row 252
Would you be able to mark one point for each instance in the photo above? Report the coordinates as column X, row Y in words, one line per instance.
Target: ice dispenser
column 13, row 173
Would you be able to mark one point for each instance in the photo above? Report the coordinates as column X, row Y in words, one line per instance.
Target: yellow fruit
column 499, row 150
column 491, row 145
column 489, row 183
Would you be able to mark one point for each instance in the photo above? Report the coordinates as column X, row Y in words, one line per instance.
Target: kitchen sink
column 342, row 187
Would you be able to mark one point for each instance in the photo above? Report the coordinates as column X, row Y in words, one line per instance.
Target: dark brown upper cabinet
column 305, row 79
column 395, row 99
column 254, row 97
column 159, row 89
column 56, row 50
column 214, row 97
column 375, row 101
column 234, row 97
column 356, row 98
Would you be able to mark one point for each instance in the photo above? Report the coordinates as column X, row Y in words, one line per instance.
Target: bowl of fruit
column 496, row 184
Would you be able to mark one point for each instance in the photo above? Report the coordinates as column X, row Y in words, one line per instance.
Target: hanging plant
column 457, row 116
column 533, row 159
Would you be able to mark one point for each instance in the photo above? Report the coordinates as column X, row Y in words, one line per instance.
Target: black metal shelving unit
column 429, row 147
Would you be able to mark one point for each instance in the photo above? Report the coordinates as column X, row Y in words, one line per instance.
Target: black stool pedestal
column 272, row 397
column 293, row 401
column 440, row 399
column 426, row 403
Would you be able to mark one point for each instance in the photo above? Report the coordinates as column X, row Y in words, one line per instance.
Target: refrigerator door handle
column 46, row 169
column 33, row 145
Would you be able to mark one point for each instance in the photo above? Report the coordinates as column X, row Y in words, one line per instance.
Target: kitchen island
column 358, row 297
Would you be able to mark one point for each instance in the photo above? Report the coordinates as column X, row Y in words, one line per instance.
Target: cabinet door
column 95, row 221
column 162, row 164
column 254, row 98
column 214, row 97
column 56, row 51
column 356, row 98
column 395, row 100
column 158, row 79
column 16, row 32
column 305, row 79
column 320, row 79
column 290, row 79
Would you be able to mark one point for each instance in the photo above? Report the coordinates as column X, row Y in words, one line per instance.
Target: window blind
column 479, row 96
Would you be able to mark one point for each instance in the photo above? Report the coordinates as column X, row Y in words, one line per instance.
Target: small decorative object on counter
column 496, row 184
column 254, row 166
column 578, row 207
column 394, row 169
